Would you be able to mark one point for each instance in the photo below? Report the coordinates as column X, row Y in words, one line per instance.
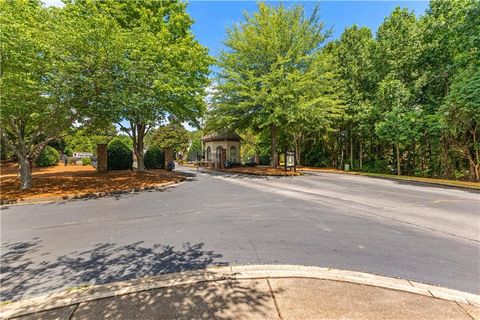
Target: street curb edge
column 95, row 292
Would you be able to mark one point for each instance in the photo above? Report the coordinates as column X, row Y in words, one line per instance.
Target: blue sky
column 213, row 17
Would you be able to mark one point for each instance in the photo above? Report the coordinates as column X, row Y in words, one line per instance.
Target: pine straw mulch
column 66, row 181
column 263, row 171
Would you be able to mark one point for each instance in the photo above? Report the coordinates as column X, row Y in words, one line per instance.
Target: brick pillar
column 168, row 156
column 102, row 158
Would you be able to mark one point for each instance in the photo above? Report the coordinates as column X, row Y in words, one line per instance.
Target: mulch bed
column 263, row 171
column 64, row 181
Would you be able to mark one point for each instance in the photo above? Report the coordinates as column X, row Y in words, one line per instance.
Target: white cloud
column 53, row 3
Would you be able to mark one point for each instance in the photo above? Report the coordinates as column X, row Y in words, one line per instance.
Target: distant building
column 218, row 148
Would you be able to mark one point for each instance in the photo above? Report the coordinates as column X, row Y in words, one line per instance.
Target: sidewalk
column 254, row 292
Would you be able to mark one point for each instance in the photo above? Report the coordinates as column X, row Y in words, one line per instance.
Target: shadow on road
column 104, row 263
column 108, row 262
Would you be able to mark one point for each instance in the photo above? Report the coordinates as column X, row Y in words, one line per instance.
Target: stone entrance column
column 102, row 158
column 168, row 156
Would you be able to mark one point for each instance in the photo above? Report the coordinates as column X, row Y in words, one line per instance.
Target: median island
column 76, row 181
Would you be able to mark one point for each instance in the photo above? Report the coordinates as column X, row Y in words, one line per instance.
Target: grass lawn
column 445, row 182
column 61, row 181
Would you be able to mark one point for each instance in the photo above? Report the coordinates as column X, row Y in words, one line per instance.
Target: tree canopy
column 93, row 63
column 271, row 64
column 403, row 100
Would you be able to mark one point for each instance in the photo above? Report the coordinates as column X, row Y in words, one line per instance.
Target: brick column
column 168, row 156
column 102, row 158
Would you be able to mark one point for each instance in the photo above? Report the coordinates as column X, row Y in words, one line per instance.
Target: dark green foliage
column 68, row 152
column 154, row 158
column 58, row 144
column 86, row 161
column 119, row 155
column 264, row 159
column 48, row 157
column 195, row 148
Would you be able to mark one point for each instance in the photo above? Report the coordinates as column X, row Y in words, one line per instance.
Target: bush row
column 48, row 157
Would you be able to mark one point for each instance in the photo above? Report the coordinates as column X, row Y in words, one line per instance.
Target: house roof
column 221, row 137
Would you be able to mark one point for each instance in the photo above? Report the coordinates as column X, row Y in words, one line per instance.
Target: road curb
column 159, row 187
column 417, row 182
column 222, row 273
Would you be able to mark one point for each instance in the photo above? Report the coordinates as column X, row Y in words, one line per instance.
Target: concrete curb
column 90, row 293
column 416, row 182
column 19, row 202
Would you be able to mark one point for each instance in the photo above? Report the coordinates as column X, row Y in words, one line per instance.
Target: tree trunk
column 360, row 155
column 138, row 134
column 25, row 168
column 273, row 147
column 474, row 167
column 297, row 151
column 476, row 163
column 351, row 150
column 140, row 162
column 398, row 159
column 341, row 160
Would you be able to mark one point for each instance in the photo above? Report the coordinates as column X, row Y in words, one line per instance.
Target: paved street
column 423, row 233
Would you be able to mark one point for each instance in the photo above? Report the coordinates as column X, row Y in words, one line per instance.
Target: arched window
column 218, row 153
column 209, row 154
column 233, row 154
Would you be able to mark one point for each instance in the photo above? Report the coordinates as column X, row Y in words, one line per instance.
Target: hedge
column 48, row 157
column 119, row 155
column 86, row 161
column 153, row 158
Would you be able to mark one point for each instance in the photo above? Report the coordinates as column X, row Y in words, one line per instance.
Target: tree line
column 91, row 64
column 405, row 100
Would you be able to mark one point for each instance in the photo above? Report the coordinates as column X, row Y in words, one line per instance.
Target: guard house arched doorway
column 219, row 157
column 209, row 154
column 233, row 154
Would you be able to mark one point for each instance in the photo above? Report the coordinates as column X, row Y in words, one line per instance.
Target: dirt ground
column 60, row 180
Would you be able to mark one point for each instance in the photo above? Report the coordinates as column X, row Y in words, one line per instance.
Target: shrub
column 68, row 152
column 154, row 158
column 119, row 155
column 86, row 161
column 48, row 157
column 264, row 159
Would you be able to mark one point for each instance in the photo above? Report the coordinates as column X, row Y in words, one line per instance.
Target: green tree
column 31, row 115
column 264, row 69
column 146, row 66
column 461, row 115
column 195, row 147
column 163, row 70
column 172, row 136
column 398, row 122
column 353, row 53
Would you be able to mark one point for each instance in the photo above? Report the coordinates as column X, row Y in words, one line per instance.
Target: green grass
column 4, row 303
column 446, row 182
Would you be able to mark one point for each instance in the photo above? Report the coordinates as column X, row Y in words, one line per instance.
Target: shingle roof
column 221, row 137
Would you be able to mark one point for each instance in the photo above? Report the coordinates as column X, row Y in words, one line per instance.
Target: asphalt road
column 417, row 232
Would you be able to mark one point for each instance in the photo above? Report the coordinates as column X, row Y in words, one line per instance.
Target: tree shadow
column 105, row 263
column 22, row 276
column 204, row 300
